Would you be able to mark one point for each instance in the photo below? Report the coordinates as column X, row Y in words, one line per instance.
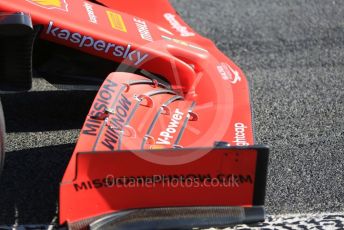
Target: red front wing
column 145, row 133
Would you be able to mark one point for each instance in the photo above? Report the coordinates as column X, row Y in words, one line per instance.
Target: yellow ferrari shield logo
column 51, row 4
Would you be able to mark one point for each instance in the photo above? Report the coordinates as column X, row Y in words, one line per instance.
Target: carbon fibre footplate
column 179, row 218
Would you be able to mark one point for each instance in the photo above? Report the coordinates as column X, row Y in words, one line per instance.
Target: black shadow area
column 46, row 110
column 29, row 184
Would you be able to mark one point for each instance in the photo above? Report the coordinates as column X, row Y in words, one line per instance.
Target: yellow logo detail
column 116, row 21
column 51, row 4
column 157, row 147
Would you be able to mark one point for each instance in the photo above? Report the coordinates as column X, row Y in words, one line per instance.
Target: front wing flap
column 107, row 182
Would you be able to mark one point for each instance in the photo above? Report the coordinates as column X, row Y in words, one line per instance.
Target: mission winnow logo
column 51, row 4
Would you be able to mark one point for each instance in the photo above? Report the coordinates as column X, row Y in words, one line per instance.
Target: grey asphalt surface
column 292, row 53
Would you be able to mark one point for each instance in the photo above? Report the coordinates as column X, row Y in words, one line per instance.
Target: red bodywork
column 208, row 100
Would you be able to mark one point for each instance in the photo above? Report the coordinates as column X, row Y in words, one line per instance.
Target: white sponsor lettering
column 143, row 29
column 183, row 30
column 92, row 17
column 125, row 52
column 228, row 73
column 240, row 136
column 167, row 135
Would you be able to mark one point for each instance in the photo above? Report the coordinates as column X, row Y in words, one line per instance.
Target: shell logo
column 51, row 4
